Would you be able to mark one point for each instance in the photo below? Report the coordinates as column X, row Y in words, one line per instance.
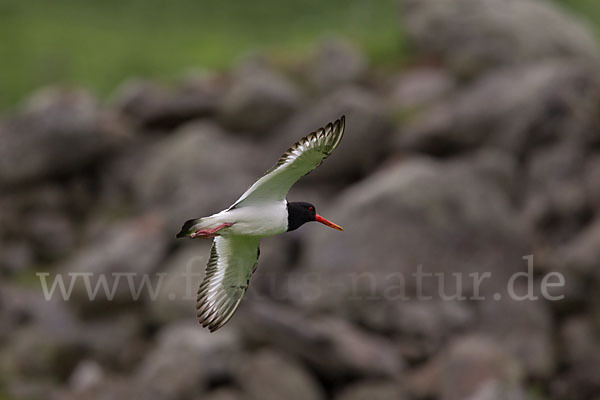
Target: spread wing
column 304, row 156
column 232, row 261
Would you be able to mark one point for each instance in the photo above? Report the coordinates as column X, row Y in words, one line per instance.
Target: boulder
column 37, row 353
column 268, row 375
column 112, row 387
column 335, row 63
column 416, row 88
column 524, row 328
column 15, row 257
column 223, row 394
column 494, row 390
column 591, row 179
column 513, row 109
column 34, row 390
column 416, row 217
column 86, row 375
column 422, row 328
column 42, row 220
column 333, row 347
column 194, row 172
column 579, row 338
column 471, row 363
column 258, row 99
column 556, row 203
column 104, row 270
column 153, row 106
column 365, row 141
column 40, row 342
column 371, row 390
column 472, row 36
column 184, row 270
column 53, row 234
column 116, row 340
column 59, row 132
column 581, row 254
column 21, row 307
column 207, row 358
column 425, row 380
column 579, row 341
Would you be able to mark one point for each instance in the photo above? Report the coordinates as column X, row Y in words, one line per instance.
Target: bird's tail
column 190, row 226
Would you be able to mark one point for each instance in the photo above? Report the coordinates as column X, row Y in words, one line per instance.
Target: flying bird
column 260, row 212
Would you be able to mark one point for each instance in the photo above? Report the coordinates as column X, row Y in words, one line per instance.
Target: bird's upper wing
column 232, row 261
column 304, row 156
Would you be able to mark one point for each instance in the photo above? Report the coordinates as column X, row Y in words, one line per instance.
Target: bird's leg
column 210, row 233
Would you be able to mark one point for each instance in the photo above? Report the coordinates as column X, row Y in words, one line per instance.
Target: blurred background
column 471, row 142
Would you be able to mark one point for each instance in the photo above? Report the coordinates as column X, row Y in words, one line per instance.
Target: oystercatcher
column 261, row 211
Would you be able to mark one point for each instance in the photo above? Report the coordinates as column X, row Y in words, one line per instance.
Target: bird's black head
column 301, row 212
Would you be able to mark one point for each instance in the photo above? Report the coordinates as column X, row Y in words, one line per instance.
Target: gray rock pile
column 483, row 151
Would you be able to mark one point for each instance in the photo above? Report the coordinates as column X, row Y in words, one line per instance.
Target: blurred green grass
column 98, row 43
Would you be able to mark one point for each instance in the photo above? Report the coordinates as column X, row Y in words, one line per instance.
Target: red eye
column 311, row 208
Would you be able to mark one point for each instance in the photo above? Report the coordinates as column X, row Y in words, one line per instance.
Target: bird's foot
column 210, row 233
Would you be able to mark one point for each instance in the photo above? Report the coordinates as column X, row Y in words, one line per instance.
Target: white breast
column 257, row 220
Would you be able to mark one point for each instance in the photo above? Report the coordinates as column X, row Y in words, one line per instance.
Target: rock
column 371, row 390
column 33, row 390
column 472, row 36
column 258, row 99
column 21, row 307
column 415, row 89
column 365, row 139
column 451, row 218
column 36, row 353
column 278, row 258
column 494, row 390
column 42, row 220
column 116, row 340
column 53, row 234
column 152, row 106
column 555, row 199
column 422, row 328
column 183, row 175
column 269, row 375
column 425, row 381
column 223, row 394
column 579, row 339
column 59, row 132
column 332, row 346
column 119, row 172
column 581, row 254
column 524, row 328
column 512, row 109
column 336, row 63
column 15, row 257
column 87, row 374
column 40, row 339
column 184, row 271
column 474, row 361
column 207, row 358
column 126, row 255
column 591, row 179
column 113, row 388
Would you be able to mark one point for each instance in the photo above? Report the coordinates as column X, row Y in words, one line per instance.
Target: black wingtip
column 340, row 123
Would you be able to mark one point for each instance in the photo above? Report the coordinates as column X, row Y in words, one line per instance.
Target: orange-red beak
column 330, row 224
